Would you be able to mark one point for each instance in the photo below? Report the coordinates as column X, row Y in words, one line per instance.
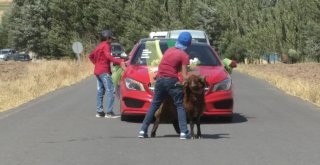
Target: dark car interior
column 202, row 52
column 22, row 57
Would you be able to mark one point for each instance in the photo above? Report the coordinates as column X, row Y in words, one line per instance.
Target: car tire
column 124, row 117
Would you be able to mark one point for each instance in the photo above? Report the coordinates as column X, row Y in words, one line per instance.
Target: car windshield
column 203, row 40
column 4, row 52
column 150, row 53
column 116, row 48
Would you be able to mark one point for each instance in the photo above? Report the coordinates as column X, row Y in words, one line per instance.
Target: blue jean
column 166, row 86
column 105, row 85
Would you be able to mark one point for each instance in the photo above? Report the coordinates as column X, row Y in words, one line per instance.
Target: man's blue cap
column 184, row 40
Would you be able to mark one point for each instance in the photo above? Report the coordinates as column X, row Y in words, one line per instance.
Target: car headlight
column 223, row 85
column 134, row 85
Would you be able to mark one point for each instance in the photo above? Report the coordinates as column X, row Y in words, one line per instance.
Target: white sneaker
column 111, row 115
column 184, row 136
column 142, row 134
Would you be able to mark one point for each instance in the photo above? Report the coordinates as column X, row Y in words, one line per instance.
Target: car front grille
column 223, row 104
column 151, row 87
column 133, row 103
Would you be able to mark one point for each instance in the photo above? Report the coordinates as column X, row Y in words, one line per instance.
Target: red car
column 138, row 80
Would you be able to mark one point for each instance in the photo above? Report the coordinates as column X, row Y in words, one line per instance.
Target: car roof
column 115, row 43
column 6, row 49
column 162, row 40
column 157, row 34
column 189, row 30
column 194, row 33
column 153, row 39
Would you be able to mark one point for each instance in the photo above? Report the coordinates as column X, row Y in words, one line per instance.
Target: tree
column 312, row 48
column 256, row 27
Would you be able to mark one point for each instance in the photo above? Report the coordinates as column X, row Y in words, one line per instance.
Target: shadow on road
column 215, row 136
column 204, row 136
column 236, row 118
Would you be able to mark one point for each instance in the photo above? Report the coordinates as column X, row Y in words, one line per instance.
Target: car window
column 202, row 40
column 150, row 53
column 204, row 54
column 20, row 57
column 116, row 48
column 4, row 52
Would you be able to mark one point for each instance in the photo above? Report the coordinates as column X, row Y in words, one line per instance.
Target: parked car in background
column 161, row 34
column 138, row 80
column 22, row 57
column 6, row 54
column 117, row 51
column 197, row 35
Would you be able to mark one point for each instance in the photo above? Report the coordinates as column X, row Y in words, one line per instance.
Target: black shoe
column 111, row 115
column 100, row 114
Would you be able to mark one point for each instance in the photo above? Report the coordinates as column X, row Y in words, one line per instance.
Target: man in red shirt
column 173, row 60
column 101, row 58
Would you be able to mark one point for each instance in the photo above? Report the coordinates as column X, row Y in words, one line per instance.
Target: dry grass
column 24, row 81
column 301, row 80
column 21, row 82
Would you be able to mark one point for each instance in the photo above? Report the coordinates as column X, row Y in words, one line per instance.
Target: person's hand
column 185, row 82
column 123, row 65
column 233, row 64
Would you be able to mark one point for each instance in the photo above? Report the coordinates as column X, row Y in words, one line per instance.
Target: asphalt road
column 270, row 128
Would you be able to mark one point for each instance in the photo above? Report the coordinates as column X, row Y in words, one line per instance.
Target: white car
column 162, row 34
column 5, row 53
column 197, row 35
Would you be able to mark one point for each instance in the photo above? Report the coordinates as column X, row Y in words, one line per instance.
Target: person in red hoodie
column 102, row 59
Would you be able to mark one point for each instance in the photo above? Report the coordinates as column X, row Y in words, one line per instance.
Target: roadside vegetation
column 21, row 82
column 301, row 80
column 246, row 28
column 238, row 29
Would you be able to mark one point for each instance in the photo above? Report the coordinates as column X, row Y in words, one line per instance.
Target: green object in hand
column 116, row 75
column 226, row 62
column 171, row 43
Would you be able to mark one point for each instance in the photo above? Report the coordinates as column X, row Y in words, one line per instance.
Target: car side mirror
column 123, row 55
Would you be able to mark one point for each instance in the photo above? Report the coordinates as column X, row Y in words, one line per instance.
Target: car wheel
column 124, row 117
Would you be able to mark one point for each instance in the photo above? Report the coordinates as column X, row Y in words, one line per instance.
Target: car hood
column 147, row 74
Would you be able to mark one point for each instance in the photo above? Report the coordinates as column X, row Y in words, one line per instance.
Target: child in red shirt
column 167, row 78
